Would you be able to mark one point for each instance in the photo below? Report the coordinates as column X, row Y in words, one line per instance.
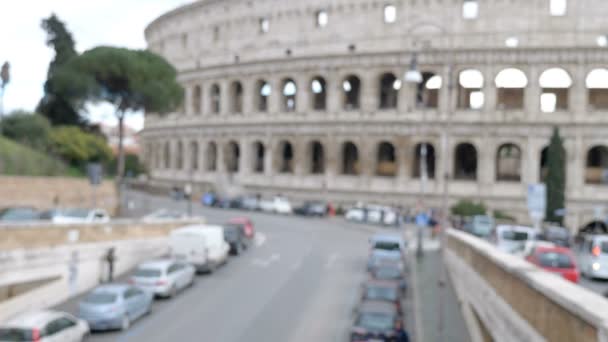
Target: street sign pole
column 537, row 203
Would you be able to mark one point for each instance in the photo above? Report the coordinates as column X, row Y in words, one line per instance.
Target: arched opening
column 286, row 160
column 350, row 159
column 421, row 150
column 215, row 96
column 167, row 156
column 594, row 227
column 317, row 158
column 508, row 163
column 510, row 84
column 427, row 91
column 386, row 165
column 196, row 99
column 389, row 90
column 596, row 171
column 465, row 162
column 179, row 162
column 352, row 88
column 470, row 89
column 232, row 156
column 290, row 91
column 194, row 156
column 319, row 93
column 211, row 157
column 597, row 86
column 554, row 84
column 264, row 89
column 236, row 97
column 258, row 155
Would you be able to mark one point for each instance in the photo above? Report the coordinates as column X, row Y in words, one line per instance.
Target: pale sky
column 92, row 23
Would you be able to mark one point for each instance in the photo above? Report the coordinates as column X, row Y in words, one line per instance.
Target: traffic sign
column 537, row 201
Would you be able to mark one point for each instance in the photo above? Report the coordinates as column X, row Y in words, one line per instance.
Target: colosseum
column 347, row 99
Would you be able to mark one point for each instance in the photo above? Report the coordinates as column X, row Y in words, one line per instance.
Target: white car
column 76, row 215
column 163, row 277
column 279, row 205
column 355, row 214
column 44, row 326
column 593, row 257
column 512, row 239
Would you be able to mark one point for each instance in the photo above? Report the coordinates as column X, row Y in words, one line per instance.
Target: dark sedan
column 375, row 321
column 318, row 209
column 235, row 236
column 383, row 290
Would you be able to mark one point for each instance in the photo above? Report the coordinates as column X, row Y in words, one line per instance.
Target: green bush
column 133, row 165
column 500, row 215
column 29, row 129
column 17, row 159
column 468, row 208
column 78, row 147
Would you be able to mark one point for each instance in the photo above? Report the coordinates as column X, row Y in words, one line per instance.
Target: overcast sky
column 92, row 23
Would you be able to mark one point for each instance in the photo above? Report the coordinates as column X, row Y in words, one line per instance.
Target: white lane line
column 331, row 260
column 260, row 262
column 260, row 239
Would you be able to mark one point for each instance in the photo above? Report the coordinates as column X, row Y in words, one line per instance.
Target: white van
column 512, row 239
column 200, row 245
column 593, row 257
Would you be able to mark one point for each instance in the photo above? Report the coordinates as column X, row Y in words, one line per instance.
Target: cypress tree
column 556, row 177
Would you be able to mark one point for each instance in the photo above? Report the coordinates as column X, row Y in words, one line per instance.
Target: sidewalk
column 425, row 273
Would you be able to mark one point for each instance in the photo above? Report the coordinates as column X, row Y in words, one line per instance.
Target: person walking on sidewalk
column 400, row 333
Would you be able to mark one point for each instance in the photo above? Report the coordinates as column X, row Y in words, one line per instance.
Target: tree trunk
column 120, row 166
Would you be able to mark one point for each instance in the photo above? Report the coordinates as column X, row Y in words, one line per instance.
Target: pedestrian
column 110, row 259
column 400, row 333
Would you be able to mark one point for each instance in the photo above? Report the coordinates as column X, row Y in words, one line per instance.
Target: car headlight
column 596, row 266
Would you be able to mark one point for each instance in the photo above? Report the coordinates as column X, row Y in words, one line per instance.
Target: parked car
column 558, row 235
column 18, row 214
column 164, row 214
column 164, row 277
column 593, row 256
column 375, row 321
column 44, row 326
column 382, row 290
column 76, row 215
column 246, row 224
column 356, row 214
column 380, row 256
column 311, row 208
column 480, row 226
column 202, row 246
column 278, row 205
column 250, row 203
column 390, row 271
column 114, row 306
column 234, row 234
column 388, row 242
column 511, row 239
column 558, row 260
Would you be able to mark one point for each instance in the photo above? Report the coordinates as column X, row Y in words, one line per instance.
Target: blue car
column 115, row 306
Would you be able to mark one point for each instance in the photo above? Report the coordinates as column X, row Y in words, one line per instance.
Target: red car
column 246, row 224
column 557, row 260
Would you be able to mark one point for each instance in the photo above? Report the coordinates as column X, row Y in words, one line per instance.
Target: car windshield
column 515, row 235
column 101, row 298
column 381, row 292
column 387, row 273
column 375, row 321
column 387, row 245
column 16, row 335
column 147, row 273
column 555, row 260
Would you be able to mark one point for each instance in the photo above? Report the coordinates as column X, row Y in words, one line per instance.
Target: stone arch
column 470, row 89
column 316, row 154
column 258, row 157
column 350, row 159
column 555, row 84
column 289, row 94
column 427, row 91
column 597, row 88
column 352, row 90
column 232, row 156
column 389, row 91
column 197, row 98
column 596, row 170
column 236, row 97
column 285, row 157
column 465, row 162
column 215, row 94
column 318, row 98
column 418, row 166
column 211, row 157
column 510, row 86
column 263, row 92
column 508, row 163
column 386, row 160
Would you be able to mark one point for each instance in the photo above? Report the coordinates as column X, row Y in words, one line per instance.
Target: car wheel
column 173, row 292
column 125, row 323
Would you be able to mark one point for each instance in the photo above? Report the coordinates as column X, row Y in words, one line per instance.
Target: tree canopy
column 78, row 147
column 556, row 177
column 26, row 128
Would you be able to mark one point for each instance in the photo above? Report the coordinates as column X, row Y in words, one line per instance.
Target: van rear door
column 189, row 247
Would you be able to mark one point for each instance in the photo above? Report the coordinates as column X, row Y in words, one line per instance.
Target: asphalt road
column 300, row 283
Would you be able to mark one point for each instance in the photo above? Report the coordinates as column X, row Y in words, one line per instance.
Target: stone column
column 269, row 158
column 332, row 160
column 370, row 92
column 444, row 92
column 575, row 165
column 577, row 99
column 225, row 97
column 244, row 157
column 407, row 97
column 303, row 95
column 533, row 151
column 300, row 157
column 335, row 92
column 404, row 159
column 489, row 90
column 275, row 100
column 444, row 159
column 248, row 96
column 188, row 99
column 220, row 158
column 532, row 94
column 486, row 166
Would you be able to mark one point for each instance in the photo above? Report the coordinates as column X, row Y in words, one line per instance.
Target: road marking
column 266, row 262
column 331, row 260
column 260, row 239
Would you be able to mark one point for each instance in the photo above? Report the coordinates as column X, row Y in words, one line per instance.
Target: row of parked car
column 58, row 216
column 193, row 250
column 379, row 315
column 276, row 204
